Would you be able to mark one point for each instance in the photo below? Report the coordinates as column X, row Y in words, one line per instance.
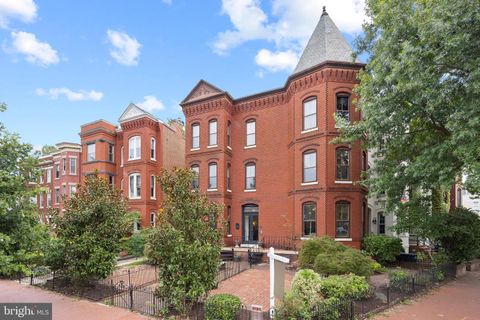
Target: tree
column 419, row 95
column 186, row 243
column 89, row 232
column 47, row 149
column 22, row 237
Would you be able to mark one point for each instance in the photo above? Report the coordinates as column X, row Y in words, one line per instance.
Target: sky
column 70, row 62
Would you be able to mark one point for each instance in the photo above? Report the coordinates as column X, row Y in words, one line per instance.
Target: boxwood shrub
column 222, row 307
column 311, row 248
column 382, row 248
column 343, row 262
column 344, row 287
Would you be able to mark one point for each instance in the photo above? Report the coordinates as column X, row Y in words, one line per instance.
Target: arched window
column 343, row 106
column 309, row 166
column 195, row 136
column 153, row 149
column 309, row 213
column 196, row 179
column 310, row 113
column 229, row 134
column 134, row 186
column 343, row 164
column 342, row 219
column 134, row 148
column 250, row 176
column 212, row 176
column 229, row 184
column 212, row 133
column 250, row 129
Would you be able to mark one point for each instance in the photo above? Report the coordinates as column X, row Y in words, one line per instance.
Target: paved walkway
column 459, row 299
column 252, row 286
column 64, row 307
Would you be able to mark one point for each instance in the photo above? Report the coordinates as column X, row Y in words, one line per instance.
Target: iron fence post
column 130, row 289
column 388, row 295
column 413, row 285
column 113, row 291
column 352, row 310
column 53, row 280
column 31, row 279
column 129, row 282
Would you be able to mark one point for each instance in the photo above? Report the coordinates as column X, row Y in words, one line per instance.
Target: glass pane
column 250, row 127
column 309, row 175
column 310, row 107
column 251, row 139
column 250, row 209
column 195, row 142
column 213, row 139
column 310, row 160
column 310, row 122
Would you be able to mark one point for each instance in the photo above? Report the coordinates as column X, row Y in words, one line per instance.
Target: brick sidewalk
column 252, row 286
column 459, row 299
column 64, row 307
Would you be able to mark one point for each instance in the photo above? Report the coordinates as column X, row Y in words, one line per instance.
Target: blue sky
column 65, row 63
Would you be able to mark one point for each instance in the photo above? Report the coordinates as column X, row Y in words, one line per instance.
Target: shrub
column 292, row 308
column 344, row 287
column 343, row 262
column 398, row 278
column 311, row 248
column 382, row 248
column 135, row 245
column 306, row 286
column 222, row 307
column 440, row 257
column 377, row 267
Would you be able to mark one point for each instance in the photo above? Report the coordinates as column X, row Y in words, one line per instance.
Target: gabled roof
column 326, row 44
column 203, row 90
column 135, row 112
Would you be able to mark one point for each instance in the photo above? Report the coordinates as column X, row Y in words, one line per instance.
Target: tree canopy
column 22, row 237
column 419, row 95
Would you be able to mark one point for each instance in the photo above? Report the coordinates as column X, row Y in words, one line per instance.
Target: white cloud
column 80, row 95
column 288, row 26
column 125, row 48
column 276, row 61
column 24, row 10
column 151, row 103
column 169, row 2
column 35, row 51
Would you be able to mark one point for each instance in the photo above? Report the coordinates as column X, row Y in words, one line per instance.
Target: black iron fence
column 281, row 243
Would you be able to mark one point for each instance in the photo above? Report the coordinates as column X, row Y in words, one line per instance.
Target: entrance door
column 250, row 224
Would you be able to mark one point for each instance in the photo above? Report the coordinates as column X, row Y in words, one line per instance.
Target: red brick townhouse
column 268, row 157
column 130, row 156
column 60, row 175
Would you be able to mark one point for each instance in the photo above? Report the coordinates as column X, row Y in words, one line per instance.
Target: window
column 49, row 175
column 57, row 171
column 342, row 107
column 135, row 186
column 342, row 219
column 459, row 197
column 41, row 177
column 91, row 152
column 153, row 194
column 111, row 152
column 381, row 223
column 309, row 212
column 153, row 219
column 57, row 195
column 195, row 136
column 212, row 133
column 153, row 148
column 121, row 184
column 364, row 161
column 111, row 180
column 250, row 183
column 73, row 166
column 73, row 189
column 310, row 114
column 229, row 218
column 250, row 133
column 134, row 148
column 229, row 134
column 40, row 200
column 64, row 166
column 49, row 199
column 309, row 166
column 212, row 176
column 64, row 190
column 122, row 150
column 196, row 179
column 229, row 186
column 343, row 164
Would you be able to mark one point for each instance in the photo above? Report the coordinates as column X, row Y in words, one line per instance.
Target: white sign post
column 272, row 258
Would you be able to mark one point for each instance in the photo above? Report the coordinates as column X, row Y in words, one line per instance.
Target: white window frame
column 153, row 187
column 40, row 200
column 153, row 149
column 213, row 133
column 55, row 166
column 112, row 146
column 134, row 151
column 49, row 199
column 57, row 199
column 210, row 177
column 254, row 134
column 73, row 189
column 74, row 166
column 136, row 193
column 153, row 221
column 91, row 154
column 64, row 166
column 122, row 150
column 41, row 177
column 195, row 138
column 49, row 175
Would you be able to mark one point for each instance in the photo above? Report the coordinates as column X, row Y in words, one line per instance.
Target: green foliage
column 419, row 95
column 292, row 308
column 459, row 234
column 398, row 278
column 439, row 276
column 89, row 232
column 222, row 307
column 312, row 247
column 377, row 267
column 440, row 257
column 344, row 262
column 47, row 149
column 22, row 238
column 186, row 244
column 345, row 287
column 382, row 248
column 135, row 244
column 306, row 287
